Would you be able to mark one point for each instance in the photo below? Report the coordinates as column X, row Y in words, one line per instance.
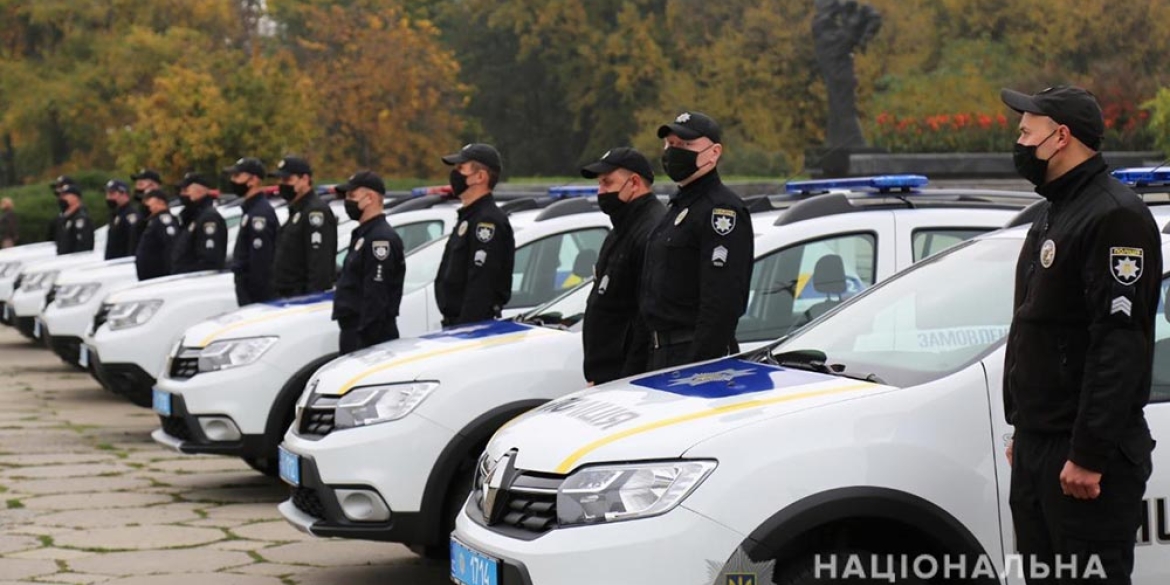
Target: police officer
column 256, row 241
column 74, row 227
column 306, row 247
column 475, row 276
column 699, row 257
column 201, row 243
column 153, row 254
column 1080, row 350
column 56, row 186
column 369, row 288
column 122, row 236
column 615, row 337
column 144, row 180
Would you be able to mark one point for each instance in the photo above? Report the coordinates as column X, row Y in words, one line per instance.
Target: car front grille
column 317, row 421
column 307, row 501
column 176, row 427
column 528, row 505
column 185, row 364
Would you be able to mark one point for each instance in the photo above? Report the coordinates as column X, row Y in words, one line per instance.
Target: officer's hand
column 1008, row 452
column 1080, row 483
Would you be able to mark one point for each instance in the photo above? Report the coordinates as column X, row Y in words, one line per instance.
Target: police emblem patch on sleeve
column 132, row 218
column 79, row 222
column 1126, row 264
column 170, row 230
column 258, row 224
column 484, row 232
column 209, row 228
column 723, row 220
column 316, row 218
column 681, row 216
column 381, row 249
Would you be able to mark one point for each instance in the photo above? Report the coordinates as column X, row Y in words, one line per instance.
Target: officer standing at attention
column 369, row 288
column 615, row 337
column 74, row 227
column 122, row 237
column 56, row 186
column 699, row 257
column 153, row 256
column 256, row 243
column 306, row 247
column 1080, row 351
column 475, row 276
column 144, row 180
column 201, row 243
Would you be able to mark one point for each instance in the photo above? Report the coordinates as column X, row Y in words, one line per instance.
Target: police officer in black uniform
column 369, row 288
column 256, row 242
column 74, row 227
column 56, row 186
column 699, row 257
column 1080, row 351
column 144, row 180
column 122, row 236
column 615, row 337
column 201, row 243
column 306, row 247
column 153, row 255
column 475, row 276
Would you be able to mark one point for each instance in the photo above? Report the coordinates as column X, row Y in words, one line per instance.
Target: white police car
column 134, row 329
column 15, row 260
column 443, row 395
column 233, row 381
column 878, row 430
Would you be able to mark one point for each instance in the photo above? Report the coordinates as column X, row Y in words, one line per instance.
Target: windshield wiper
column 815, row 360
column 552, row 320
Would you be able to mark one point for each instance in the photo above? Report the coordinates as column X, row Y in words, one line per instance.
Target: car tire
column 803, row 571
column 264, row 465
column 452, row 505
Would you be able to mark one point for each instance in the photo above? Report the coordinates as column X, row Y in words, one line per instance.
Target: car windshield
column 921, row 325
column 565, row 312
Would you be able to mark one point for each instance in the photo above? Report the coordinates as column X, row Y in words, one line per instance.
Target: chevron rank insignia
column 719, row 256
column 1122, row 305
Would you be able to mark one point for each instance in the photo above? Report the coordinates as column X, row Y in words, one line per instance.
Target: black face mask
column 138, row 193
column 352, row 210
column 186, row 200
column 1028, row 165
column 458, row 182
column 680, row 163
column 240, row 189
column 287, row 192
column 611, row 202
column 62, row 204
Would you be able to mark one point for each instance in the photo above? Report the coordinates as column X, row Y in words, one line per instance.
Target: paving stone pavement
column 86, row 497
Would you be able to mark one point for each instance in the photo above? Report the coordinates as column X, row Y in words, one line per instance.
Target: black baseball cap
column 147, row 175
column 154, row 193
column 367, row 179
column 620, row 158
column 291, row 165
column 116, row 185
column 62, row 181
column 71, row 189
column 1070, row 106
column 691, row 125
column 249, row 165
column 484, row 154
column 195, row 179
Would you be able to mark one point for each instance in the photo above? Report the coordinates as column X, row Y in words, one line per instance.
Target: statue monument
column 841, row 27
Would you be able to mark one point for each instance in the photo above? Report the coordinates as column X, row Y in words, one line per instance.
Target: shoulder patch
column 1126, row 264
column 485, row 231
column 380, row 248
column 316, row 218
column 258, row 224
column 166, row 218
column 209, row 228
column 79, row 222
column 723, row 220
column 132, row 218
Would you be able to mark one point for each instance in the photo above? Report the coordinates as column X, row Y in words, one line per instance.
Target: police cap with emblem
column 154, row 193
column 484, row 154
column 195, row 179
column 1068, row 106
column 116, row 186
column 61, row 181
column 291, row 165
column 691, row 125
column 146, row 175
column 620, row 158
column 71, row 189
column 367, row 179
column 249, row 165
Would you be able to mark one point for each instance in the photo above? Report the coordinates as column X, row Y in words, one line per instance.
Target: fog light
column 219, row 428
column 363, row 506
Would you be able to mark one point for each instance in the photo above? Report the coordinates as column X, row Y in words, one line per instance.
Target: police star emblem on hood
column 707, row 377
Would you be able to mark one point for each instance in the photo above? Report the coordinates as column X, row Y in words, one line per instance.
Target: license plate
column 37, row 328
column 470, row 567
column 83, row 356
column 290, row 466
column 7, row 312
column 161, row 402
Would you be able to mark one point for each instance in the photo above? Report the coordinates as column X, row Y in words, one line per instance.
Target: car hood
column 661, row 415
column 432, row 354
column 180, row 285
column 105, row 271
column 260, row 319
column 37, row 250
column 64, row 262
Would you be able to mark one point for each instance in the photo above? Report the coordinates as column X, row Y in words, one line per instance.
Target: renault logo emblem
column 493, row 484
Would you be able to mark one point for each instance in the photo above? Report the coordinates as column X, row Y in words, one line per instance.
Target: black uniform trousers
column 1053, row 526
column 351, row 339
column 674, row 349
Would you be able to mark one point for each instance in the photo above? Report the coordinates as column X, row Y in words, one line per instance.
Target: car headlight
column 378, row 404
column 131, row 314
column 233, row 353
column 38, row 280
column 611, row 493
column 8, row 269
column 71, row 295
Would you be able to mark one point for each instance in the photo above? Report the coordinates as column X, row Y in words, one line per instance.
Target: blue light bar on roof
column 568, row 191
column 1141, row 176
column 880, row 183
column 433, row 190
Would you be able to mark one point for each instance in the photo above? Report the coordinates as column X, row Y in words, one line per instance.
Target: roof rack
column 416, row 203
column 566, row 207
column 525, row 204
column 819, row 206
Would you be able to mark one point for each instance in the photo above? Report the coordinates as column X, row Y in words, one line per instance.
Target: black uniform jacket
column 306, row 249
column 475, row 276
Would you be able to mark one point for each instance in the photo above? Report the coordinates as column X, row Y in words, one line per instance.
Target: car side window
column 794, row 285
column 547, row 267
column 1160, row 381
column 928, row 242
column 416, row 234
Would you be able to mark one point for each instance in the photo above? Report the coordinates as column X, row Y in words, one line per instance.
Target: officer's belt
column 659, row 339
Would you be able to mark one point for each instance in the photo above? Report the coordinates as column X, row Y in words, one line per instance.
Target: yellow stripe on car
column 567, row 464
column 277, row 315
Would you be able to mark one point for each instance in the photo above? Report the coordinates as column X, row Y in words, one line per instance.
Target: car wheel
column 456, row 498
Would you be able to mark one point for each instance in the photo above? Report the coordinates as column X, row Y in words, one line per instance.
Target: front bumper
column 181, row 432
column 68, row 348
column 244, row 394
column 124, row 379
column 680, row 547
column 393, row 459
column 6, row 315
